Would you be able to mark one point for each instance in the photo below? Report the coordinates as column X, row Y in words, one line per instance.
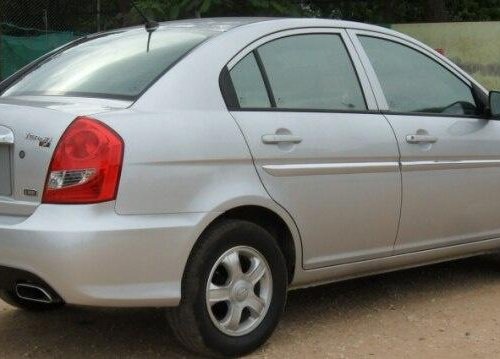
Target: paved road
column 443, row 311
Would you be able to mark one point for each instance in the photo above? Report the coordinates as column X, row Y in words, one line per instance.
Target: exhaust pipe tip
column 33, row 293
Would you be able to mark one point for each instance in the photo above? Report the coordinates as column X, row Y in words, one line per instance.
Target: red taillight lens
column 86, row 164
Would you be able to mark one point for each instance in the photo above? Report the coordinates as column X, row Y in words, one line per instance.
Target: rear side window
column 116, row 65
column 309, row 72
column 248, row 83
column 413, row 82
column 312, row 72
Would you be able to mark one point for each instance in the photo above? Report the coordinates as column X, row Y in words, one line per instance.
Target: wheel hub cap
column 239, row 291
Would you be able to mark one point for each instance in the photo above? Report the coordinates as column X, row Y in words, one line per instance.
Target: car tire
column 209, row 330
column 12, row 299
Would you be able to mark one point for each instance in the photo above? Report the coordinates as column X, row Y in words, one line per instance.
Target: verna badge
column 42, row 141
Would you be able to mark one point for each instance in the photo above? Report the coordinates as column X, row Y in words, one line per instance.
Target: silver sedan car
column 212, row 165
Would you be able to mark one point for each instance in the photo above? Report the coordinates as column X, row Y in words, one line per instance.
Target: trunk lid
column 30, row 128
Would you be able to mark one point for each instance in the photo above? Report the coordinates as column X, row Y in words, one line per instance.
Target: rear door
column 450, row 156
column 320, row 146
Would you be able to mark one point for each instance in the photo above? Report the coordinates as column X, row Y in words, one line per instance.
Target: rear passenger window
column 248, row 84
column 312, row 72
column 413, row 82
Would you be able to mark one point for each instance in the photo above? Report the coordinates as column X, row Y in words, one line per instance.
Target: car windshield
column 115, row 65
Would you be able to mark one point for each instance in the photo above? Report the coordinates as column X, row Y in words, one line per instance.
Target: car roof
column 223, row 24
column 216, row 26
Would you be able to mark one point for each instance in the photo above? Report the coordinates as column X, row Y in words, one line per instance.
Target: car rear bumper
column 90, row 255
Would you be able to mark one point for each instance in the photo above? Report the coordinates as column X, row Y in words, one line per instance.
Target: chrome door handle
column 276, row 139
column 421, row 139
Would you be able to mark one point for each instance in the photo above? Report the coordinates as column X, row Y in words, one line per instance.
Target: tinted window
column 413, row 82
column 312, row 72
column 248, row 83
column 113, row 65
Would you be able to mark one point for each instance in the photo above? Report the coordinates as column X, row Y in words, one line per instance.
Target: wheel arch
column 282, row 229
column 274, row 224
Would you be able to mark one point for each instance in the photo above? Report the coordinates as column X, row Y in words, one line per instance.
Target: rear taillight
column 86, row 164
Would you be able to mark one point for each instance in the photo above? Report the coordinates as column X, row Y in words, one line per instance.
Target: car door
column 320, row 147
column 450, row 155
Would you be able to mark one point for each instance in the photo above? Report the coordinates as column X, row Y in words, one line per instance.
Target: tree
column 435, row 11
column 175, row 9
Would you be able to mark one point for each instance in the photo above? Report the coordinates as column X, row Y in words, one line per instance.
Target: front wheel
column 234, row 291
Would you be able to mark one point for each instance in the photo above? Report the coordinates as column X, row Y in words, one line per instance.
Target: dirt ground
column 443, row 311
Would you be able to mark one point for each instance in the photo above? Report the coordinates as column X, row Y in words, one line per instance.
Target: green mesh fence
column 18, row 51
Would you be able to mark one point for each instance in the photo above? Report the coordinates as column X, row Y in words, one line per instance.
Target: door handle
column 276, row 139
column 421, row 139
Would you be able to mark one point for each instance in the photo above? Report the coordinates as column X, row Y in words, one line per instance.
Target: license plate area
column 5, row 171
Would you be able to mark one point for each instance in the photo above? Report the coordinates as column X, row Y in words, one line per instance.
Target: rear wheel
column 12, row 299
column 234, row 291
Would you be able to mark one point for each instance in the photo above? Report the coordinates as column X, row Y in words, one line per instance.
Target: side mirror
column 495, row 104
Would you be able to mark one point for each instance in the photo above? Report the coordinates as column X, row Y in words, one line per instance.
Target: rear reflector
column 86, row 164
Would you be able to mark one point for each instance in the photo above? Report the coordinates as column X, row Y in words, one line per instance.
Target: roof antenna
column 150, row 25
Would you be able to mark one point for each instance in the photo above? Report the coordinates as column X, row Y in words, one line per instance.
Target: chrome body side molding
column 330, row 168
column 373, row 167
column 447, row 165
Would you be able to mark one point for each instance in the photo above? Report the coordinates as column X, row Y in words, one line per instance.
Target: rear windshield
column 115, row 65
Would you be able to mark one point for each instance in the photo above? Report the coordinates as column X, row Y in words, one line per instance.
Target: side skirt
column 309, row 278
